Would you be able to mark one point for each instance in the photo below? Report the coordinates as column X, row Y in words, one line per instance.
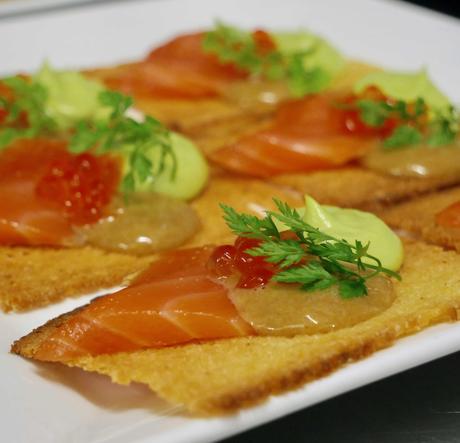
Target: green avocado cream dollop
column 352, row 225
column 319, row 53
column 405, row 86
column 71, row 97
column 191, row 170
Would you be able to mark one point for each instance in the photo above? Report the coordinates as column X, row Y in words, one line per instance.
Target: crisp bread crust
column 34, row 277
column 361, row 188
column 244, row 195
column 221, row 376
column 418, row 217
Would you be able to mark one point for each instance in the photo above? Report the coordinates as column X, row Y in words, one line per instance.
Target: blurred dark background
column 451, row 7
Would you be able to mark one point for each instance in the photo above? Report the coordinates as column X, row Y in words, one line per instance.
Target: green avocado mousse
column 353, row 225
column 70, row 97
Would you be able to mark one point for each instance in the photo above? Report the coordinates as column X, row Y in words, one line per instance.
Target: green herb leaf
column 303, row 81
column 285, row 254
column 127, row 136
column 233, row 45
column 312, row 276
column 373, row 113
column 27, row 106
column 352, row 288
column 444, row 128
column 249, row 225
column 403, row 135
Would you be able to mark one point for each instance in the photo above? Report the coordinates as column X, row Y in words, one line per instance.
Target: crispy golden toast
column 249, row 196
column 222, row 376
column 361, row 188
column 33, row 277
column 418, row 217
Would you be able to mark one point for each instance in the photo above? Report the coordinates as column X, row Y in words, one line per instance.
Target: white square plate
column 50, row 403
column 18, row 7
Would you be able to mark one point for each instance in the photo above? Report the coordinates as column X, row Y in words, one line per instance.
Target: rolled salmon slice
column 175, row 301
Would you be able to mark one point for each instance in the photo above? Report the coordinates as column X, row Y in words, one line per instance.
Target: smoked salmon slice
column 174, row 301
column 47, row 191
column 179, row 69
column 25, row 218
column 305, row 135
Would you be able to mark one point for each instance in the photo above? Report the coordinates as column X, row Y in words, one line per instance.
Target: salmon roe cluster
column 82, row 185
column 227, row 260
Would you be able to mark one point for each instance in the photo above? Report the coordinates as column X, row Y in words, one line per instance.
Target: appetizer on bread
column 310, row 289
column 79, row 169
column 288, row 107
column 390, row 144
column 208, row 76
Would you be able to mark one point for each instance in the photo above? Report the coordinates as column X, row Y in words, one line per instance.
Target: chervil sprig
column 309, row 257
column 442, row 128
column 24, row 111
column 250, row 226
column 233, row 45
column 132, row 138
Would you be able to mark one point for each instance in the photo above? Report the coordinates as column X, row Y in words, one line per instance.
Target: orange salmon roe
column 83, row 185
column 254, row 272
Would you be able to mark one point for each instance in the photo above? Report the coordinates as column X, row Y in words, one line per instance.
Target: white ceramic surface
column 47, row 403
column 17, row 7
